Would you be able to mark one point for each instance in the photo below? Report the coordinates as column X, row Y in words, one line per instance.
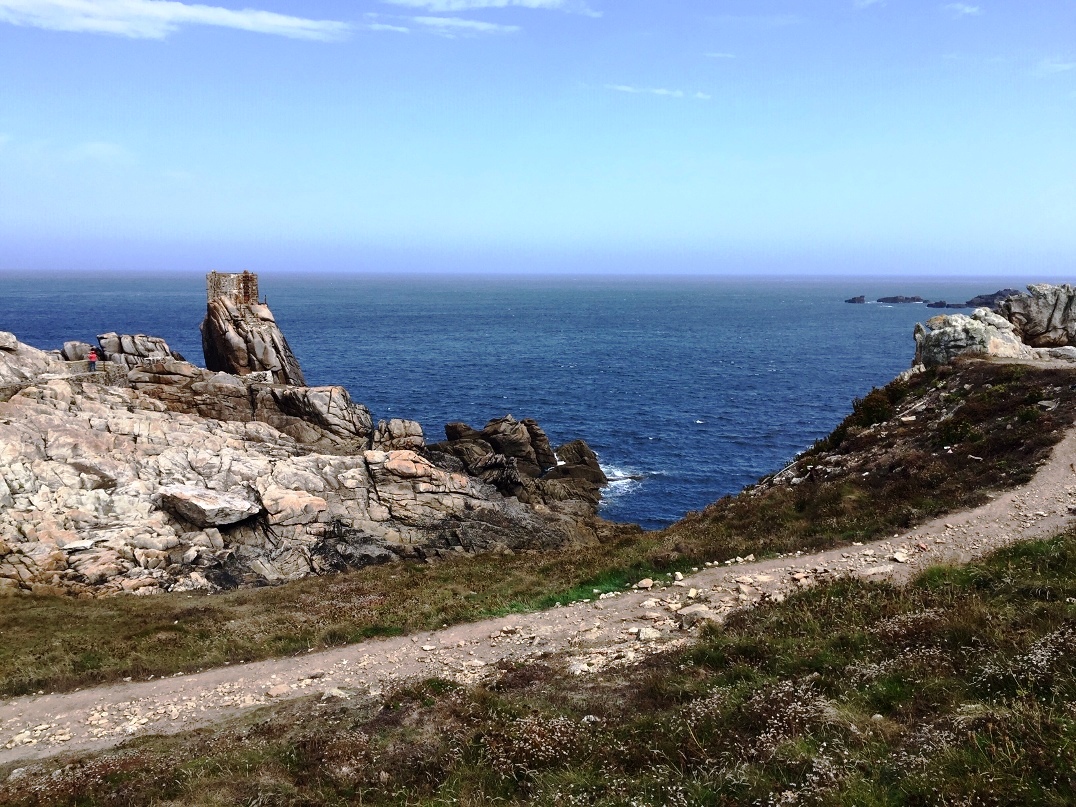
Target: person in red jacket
column 92, row 358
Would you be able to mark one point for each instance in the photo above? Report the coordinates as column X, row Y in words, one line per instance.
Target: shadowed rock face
column 517, row 459
column 1045, row 316
column 243, row 338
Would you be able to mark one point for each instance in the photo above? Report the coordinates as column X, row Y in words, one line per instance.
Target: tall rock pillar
column 240, row 334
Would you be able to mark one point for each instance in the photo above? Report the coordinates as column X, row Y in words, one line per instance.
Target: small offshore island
column 979, row 301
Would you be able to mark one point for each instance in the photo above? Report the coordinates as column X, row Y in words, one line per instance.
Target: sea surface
column 687, row 388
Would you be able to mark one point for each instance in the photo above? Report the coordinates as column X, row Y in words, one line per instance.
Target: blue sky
column 539, row 135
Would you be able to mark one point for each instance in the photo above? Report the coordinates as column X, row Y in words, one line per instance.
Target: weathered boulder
column 76, row 351
column 322, row 417
column 984, row 333
column 8, row 341
column 398, row 435
column 517, row 459
column 20, row 362
column 1044, row 317
column 578, row 462
column 126, row 350
column 521, row 441
column 240, row 334
column 208, row 508
column 513, row 439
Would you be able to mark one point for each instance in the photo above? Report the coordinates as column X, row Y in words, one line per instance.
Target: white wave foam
column 622, row 482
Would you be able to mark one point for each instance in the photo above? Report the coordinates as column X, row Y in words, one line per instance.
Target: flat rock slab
column 207, row 508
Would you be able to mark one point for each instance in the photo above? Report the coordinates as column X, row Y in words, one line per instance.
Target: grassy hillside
column 938, row 442
column 957, row 690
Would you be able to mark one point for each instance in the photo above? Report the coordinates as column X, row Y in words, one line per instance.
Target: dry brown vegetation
column 957, row 690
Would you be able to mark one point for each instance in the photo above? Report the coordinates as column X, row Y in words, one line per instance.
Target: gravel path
column 614, row 629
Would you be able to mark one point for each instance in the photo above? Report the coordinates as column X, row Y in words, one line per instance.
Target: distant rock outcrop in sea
column 900, row 299
column 980, row 301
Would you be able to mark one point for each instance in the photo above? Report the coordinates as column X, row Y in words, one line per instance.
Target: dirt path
column 616, row 629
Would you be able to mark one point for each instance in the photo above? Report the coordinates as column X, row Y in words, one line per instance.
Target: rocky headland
column 153, row 474
column 945, row 463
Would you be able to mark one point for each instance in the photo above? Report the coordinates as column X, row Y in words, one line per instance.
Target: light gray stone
column 206, row 508
column 984, row 333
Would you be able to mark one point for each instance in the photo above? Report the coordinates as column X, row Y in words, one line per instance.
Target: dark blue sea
column 698, row 386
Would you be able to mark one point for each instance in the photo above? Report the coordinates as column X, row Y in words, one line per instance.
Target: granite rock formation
column 397, row 434
column 943, row 338
column 178, row 478
column 1038, row 325
column 130, row 351
column 240, row 335
column 323, row 417
column 20, row 364
column 1045, row 316
column 991, row 300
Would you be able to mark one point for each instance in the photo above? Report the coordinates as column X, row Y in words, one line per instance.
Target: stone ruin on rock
column 162, row 476
column 240, row 334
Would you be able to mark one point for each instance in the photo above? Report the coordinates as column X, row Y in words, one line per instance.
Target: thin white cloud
column 868, row 3
column 454, row 26
column 382, row 26
column 758, row 20
column 962, row 9
column 451, row 6
column 628, row 88
column 99, row 152
column 1050, row 67
column 721, row 55
column 156, row 19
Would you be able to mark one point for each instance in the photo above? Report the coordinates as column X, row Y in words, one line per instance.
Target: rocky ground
column 169, row 477
column 613, row 629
